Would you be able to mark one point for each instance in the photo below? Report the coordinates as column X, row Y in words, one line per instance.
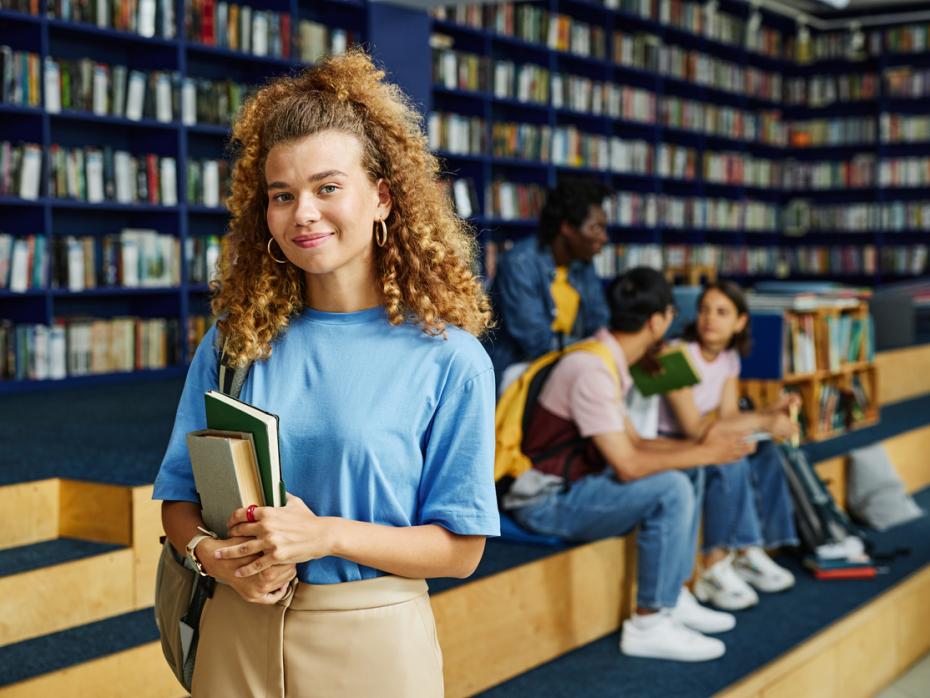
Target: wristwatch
column 191, row 547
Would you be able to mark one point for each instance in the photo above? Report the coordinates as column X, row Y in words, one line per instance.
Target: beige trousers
column 375, row 637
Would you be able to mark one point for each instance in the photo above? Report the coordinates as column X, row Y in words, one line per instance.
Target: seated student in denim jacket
column 620, row 481
column 546, row 293
column 747, row 504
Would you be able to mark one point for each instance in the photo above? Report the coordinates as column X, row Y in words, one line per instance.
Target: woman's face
column 718, row 319
column 322, row 207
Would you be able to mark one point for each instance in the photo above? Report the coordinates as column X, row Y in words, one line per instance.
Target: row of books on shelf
column 861, row 130
column 132, row 258
column 315, row 40
column 895, row 128
column 104, row 174
column 530, row 23
column 895, row 216
column 20, row 169
column 208, row 182
column 746, row 260
column 249, row 30
column 643, row 52
column 512, row 201
column 906, row 38
column 23, row 262
column 212, row 101
column 82, row 346
column 19, row 77
column 529, row 81
column 898, row 128
column 648, row 52
column 29, row 7
column 114, row 90
column 532, row 83
column 824, row 90
column 849, row 339
column 110, row 90
column 147, row 18
column 840, row 407
column 840, row 339
column 907, row 81
column 859, row 172
column 238, row 27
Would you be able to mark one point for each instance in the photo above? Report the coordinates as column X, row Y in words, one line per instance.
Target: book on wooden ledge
column 675, row 371
column 228, row 414
column 225, row 473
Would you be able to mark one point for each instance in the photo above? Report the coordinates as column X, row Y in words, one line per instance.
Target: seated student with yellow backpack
column 575, row 468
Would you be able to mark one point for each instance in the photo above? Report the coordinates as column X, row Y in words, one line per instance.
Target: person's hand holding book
column 782, row 424
column 278, row 536
column 265, row 588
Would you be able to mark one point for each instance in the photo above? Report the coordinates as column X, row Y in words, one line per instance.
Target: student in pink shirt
column 616, row 481
column 747, row 505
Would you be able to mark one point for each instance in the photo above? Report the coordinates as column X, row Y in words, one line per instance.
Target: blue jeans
column 600, row 506
column 746, row 502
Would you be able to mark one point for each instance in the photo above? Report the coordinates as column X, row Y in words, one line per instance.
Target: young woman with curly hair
column 346, row 278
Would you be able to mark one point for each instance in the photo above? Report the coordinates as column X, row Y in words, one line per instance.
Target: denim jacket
column 524, row 309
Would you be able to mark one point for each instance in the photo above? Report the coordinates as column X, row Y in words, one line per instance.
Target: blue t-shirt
column 378, row 423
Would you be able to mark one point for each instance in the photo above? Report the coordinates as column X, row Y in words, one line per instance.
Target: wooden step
column 113, row 658
column 30, row 512
column 857, row 656
column 65, row 584
column 491, row 629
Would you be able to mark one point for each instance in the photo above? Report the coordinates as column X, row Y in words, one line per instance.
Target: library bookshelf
column 826, row 356
column 765, row 180
column 149, row 85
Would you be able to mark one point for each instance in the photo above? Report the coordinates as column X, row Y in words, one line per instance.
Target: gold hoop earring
column 381, row 235
column 279, row 261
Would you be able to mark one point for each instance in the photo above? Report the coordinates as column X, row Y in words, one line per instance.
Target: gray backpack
column 181, row 593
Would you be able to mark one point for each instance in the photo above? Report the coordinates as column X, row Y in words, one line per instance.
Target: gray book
column 225, row 474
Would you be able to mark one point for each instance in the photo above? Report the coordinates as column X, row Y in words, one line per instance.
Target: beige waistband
column 366, row 593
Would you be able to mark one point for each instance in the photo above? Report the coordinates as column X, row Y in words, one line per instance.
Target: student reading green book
column 228, row 414
column 675, row 371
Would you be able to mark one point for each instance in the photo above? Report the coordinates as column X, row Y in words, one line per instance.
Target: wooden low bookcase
column 841, row 384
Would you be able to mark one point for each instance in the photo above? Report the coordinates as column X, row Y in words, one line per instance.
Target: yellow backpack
column 515, row 406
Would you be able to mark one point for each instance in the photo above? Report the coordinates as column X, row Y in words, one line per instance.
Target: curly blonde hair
column 424, row 270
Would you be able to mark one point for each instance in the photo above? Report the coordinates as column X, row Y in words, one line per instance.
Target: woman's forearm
column 407, row 551
column 180, row 521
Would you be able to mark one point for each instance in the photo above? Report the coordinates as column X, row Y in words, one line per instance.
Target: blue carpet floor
column 499, row 555
column 762, row 633
column 51, row 552
column 118, row 433
column 106, row 433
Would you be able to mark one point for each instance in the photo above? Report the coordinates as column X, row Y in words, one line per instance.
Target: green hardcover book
column 677, row 372
column 228, row 414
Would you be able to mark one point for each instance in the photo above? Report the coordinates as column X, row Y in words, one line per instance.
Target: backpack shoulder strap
column 231, row 377
column 509, row 459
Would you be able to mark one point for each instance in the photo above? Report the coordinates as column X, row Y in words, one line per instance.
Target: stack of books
column 853, row 567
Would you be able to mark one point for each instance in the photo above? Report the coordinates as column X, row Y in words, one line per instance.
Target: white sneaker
column 692, row 614
column 757, row 568
column 660, row 636
column 723, row 588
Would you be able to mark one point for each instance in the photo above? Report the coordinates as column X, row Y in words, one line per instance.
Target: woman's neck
column 710, row 352
column 334, row 293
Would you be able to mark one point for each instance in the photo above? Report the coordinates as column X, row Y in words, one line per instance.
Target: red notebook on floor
column 846, row 573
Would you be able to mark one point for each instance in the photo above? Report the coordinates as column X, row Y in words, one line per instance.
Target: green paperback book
column 676, row 372
column 228, row 414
